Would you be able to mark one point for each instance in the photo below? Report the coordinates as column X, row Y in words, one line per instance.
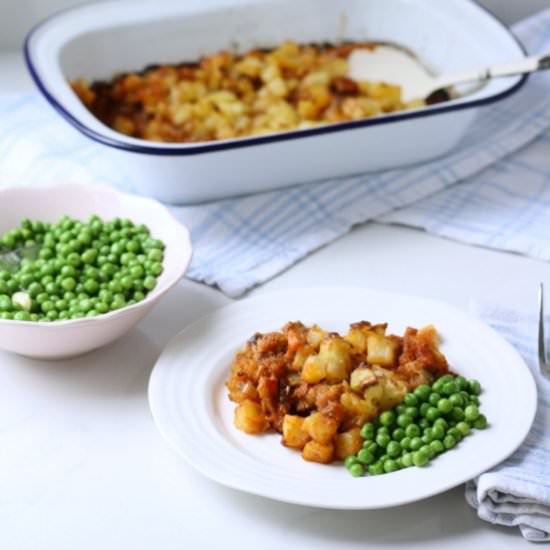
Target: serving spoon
column 439, row 88
column 389, row 63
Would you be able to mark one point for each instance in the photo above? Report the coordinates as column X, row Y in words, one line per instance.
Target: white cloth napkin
column 517, row 491
column 239, row 243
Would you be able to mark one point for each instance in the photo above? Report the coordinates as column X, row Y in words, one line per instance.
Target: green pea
column 420, row 458
column 387, row 418
column 155, row 269
column 412, row 411
column 390, row 465
column 449, row 388
column 91, row 286
column 365, row 457
column 410, row 400
column 47, row 306
column 456, row 400
column 437, row 431
column 415, row 444
column 480, row 423
column 427, row 436
column 367, row 431
column 22, row 315
column 424, row 408
column 356, row 470
column 424, row 423
column 404, row 420
column 461, row 383
column 398, row 434
column 406, row 442
column 457, row 414
column 456, row 433
column 474, row 387
column 422, row 392
column 427, row 449
column 383, row 430
column 393, row 449
column 463, row 428
column 434, row 399
column 442, row 423
column 5, row 303
column 437, row 446
column 471, row 412
column 349, row 460
column 412, row 430
column 449, row 441
column 376, row 469
column 444, row 405
column 432, row 414
column 382, row 440
column 372, row 447
column 407, row 460
column 101, row 307
column 68, row 283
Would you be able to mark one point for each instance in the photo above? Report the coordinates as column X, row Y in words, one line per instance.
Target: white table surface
column 83, row 467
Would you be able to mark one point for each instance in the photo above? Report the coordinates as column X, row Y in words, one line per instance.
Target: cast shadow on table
column 430, row 520
column 123, row 367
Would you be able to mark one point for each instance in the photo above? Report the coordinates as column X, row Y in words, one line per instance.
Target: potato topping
column 227, row 95
column 318, row 388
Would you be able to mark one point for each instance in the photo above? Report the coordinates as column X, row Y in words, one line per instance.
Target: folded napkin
column 239, row 243
column 517, row 491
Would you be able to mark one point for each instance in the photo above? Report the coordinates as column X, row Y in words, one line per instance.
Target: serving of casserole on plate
column 96, row 42
column 191, row 408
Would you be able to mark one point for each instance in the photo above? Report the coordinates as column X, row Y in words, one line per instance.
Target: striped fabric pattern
column 517, row 492
column 239, row 243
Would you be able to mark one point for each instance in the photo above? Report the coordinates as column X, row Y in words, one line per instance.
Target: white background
column 18, row 16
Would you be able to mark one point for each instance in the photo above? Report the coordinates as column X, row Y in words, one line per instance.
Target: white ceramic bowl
column 95, row 41
column 74, row 337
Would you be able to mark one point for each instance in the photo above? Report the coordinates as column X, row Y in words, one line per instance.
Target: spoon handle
column 521, row 66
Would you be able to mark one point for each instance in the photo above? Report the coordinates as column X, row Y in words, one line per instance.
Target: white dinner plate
column 190, row 406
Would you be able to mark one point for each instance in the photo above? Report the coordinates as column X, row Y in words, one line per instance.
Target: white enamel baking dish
column 97, row 40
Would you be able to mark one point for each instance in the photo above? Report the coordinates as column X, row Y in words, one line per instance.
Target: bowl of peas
column 80, row 265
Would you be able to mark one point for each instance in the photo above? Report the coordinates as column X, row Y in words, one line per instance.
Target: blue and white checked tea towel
column 517, row 491
column 502, row 201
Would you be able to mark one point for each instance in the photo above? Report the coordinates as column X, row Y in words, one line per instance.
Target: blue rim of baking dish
column 221, row 145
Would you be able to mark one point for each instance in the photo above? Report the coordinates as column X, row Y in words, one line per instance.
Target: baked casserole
column 227, row 95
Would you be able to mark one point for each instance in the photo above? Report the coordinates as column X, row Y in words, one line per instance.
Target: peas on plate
column 448, row 411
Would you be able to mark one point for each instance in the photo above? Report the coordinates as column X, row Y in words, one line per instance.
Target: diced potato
column 320, row 428
column 382, row 350
column 354, row 405
column 361, row 378
column 374, row 394
column 250, row 418
column 348, row 443
column 315, row 336
column 394, row 392
column 301, row 355
column 335, row 354
column 294, row 434
column 314, row 370
column 357, row 337
column 359, row 332
column 314, row 451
